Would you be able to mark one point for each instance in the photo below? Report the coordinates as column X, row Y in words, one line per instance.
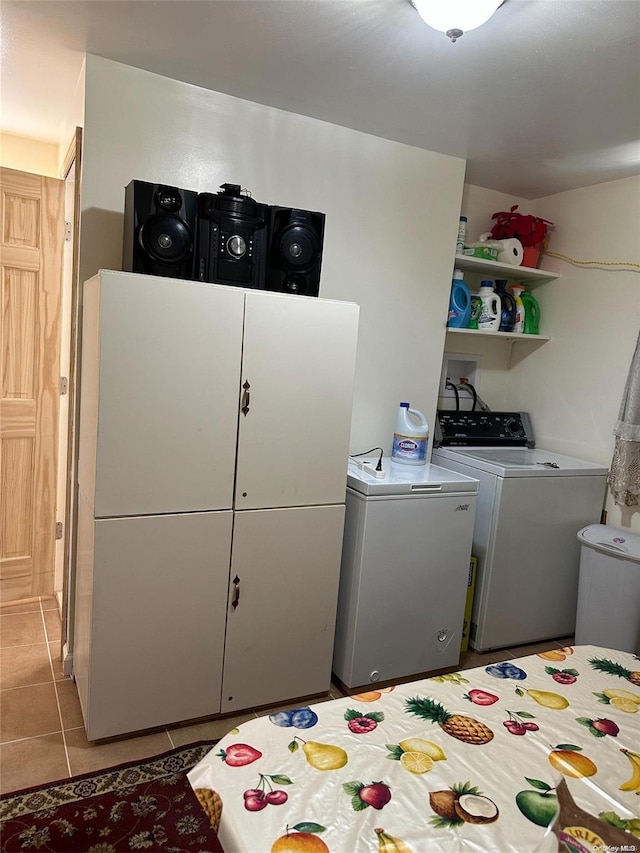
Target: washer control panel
column 490, row 429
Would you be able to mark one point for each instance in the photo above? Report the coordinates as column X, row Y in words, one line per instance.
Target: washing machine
column 531, row 504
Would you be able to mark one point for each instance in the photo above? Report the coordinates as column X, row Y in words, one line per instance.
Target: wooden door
column 32, row 222
column 285, row 570
column 299, row 363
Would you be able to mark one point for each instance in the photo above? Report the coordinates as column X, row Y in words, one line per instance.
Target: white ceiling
column 543, row 98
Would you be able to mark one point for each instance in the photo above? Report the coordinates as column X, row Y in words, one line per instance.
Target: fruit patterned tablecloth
column 477, row 760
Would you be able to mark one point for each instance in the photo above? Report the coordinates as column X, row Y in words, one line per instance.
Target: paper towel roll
column 509, row 250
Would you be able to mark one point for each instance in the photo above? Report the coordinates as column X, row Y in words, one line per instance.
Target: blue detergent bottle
column 459, row 302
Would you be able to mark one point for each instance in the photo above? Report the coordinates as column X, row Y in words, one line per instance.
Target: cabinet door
column 169, row 374
column 157, row 619
column 298, row 361
column 284, row 578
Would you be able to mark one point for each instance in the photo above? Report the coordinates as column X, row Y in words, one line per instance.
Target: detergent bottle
column 459, row 302
column 508, row 306
column 489, row 319
column 476, row 305
column 411, row 437
column 517, row 290
column 531, row 314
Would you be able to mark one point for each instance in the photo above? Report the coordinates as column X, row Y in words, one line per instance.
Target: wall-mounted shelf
column 507, row 336
column 494, row 269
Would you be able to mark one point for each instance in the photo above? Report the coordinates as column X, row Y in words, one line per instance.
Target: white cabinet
column 284, row 576
column 214, row 422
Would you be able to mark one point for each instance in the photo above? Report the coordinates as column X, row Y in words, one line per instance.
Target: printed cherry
column 256, row 802
column 277, row 797
column 255, row 799
column 518, row 723
column 515, row 727
column 253, row 792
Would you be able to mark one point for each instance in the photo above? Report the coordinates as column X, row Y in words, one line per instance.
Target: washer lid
column 610, row 540
column 520, row 461
column 402, row 479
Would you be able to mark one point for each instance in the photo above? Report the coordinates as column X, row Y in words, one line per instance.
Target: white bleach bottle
column 491, row 308
column 411, row 437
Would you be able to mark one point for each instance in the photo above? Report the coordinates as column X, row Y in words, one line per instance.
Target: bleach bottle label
column 409, row 448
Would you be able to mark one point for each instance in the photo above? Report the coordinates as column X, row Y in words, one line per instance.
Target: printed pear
column 324, row 756
column 549, row 700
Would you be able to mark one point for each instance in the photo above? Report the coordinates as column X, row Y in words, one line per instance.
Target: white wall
column 392, row 213
column 572, row 385
column 29, row 155
column 576, row 381
column 73, row 118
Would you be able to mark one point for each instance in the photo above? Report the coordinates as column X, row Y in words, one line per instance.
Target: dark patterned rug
column 142, row 805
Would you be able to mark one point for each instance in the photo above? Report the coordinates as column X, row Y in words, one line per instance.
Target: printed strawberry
column 376, row 794
column 239, row 754
column 562, row 676
column 360, row 724
column 481, row 697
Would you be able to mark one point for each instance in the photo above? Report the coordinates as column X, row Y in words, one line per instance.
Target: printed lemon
column 416, row 762
column 617, row 693
column 428, row 747
column 627, row 705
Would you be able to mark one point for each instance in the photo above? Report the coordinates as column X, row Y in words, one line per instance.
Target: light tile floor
column 42, row 736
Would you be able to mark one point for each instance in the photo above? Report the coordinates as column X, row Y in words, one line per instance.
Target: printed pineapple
column 611, row 668
column 459, row 726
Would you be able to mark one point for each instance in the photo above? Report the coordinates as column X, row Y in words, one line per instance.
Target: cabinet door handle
column 236, row 592
column 246, row 398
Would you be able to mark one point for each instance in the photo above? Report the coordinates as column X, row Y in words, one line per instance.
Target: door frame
column 72, row 167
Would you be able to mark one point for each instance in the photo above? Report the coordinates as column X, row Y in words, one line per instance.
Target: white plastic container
column 462, row 233
column 411, row 437
column 489, row 319
column 608, row 612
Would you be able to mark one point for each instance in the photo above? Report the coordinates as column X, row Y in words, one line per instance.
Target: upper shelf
column 496, row 269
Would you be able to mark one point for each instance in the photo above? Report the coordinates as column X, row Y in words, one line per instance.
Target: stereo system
column 223, row 238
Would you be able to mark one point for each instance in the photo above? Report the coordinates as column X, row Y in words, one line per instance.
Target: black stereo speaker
column 159, row 230
column 295, row 250
column 232, row 238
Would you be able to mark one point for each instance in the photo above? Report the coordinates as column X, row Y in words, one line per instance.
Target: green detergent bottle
column 531, row 314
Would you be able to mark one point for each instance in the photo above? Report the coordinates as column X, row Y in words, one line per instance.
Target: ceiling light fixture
column 455, row 17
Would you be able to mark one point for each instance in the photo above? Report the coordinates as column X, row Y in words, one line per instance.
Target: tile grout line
column 55, row 690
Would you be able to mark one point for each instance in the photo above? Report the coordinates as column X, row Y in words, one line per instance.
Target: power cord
column 378, row 467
